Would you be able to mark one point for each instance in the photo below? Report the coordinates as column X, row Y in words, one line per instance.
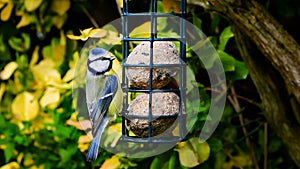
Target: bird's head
column 99, row 61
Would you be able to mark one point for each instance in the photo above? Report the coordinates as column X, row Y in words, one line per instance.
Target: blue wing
column 98, row 116
column 102, row 105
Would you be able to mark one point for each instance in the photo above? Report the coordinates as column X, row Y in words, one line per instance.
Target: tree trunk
column 276, row 73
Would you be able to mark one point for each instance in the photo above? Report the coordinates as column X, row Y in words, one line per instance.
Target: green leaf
column 274, row 145
column 172, row 162
column 66, row 154
column 197, row 22
column 224, row 37
column 241, row 71
column 227, row 60
column 215, row 144
column 160, row 160
column 20, row 44
column 8, row 151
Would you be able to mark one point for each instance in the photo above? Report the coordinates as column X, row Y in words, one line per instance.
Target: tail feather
column 94, row 147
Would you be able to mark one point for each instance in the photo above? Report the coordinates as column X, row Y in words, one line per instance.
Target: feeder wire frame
column 182, row 81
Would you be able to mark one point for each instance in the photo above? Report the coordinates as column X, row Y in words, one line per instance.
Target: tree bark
column 276, row 73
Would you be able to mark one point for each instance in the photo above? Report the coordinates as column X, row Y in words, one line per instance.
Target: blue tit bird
column 102, row 94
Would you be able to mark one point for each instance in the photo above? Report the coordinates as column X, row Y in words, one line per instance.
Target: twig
column 235, row 95
column 119, row 7
column 237, row 108
column 89, row 16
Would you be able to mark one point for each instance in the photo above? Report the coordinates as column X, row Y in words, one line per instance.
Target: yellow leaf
column 18, row 86
column 31, row 5
column 44, row 73
column 2, row 90
column 111, row 163
column 193, row 152
column 84, row 142
column 142, row 31
column 35, row 56
column 60, row 6
column 11, row 165
column 59, row 21
column 86, row 32
column 6, row 11
column 187, row 156
column 59, row 52
column 97, row 33
column 75, row 59
column 51, row 96
column 25, row 107
column 84, row 35
column 84, row 139
column 2, row 3
column 112, row 38
column 69, row 75
column 115, row 128
column 28, row 160
column 117, row 68
column 201, row 148
column 25, row 20
column 8, row 70
column 74, row 37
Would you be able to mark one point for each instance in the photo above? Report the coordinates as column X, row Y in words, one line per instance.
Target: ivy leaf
column 241, row 71
column 224, row 37
column 227, row 60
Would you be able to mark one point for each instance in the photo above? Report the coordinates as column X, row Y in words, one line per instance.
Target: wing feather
column 102, row 105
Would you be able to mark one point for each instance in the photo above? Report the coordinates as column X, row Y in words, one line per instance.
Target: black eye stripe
column 101, row 58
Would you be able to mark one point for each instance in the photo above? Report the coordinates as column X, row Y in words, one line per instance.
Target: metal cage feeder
column 127, row 89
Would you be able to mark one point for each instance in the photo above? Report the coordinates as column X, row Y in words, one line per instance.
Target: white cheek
column 100, row 65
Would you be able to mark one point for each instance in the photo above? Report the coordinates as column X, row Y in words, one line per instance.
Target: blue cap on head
column 98, row 51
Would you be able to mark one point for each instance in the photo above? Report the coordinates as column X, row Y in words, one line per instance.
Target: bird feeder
column 150, row 93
